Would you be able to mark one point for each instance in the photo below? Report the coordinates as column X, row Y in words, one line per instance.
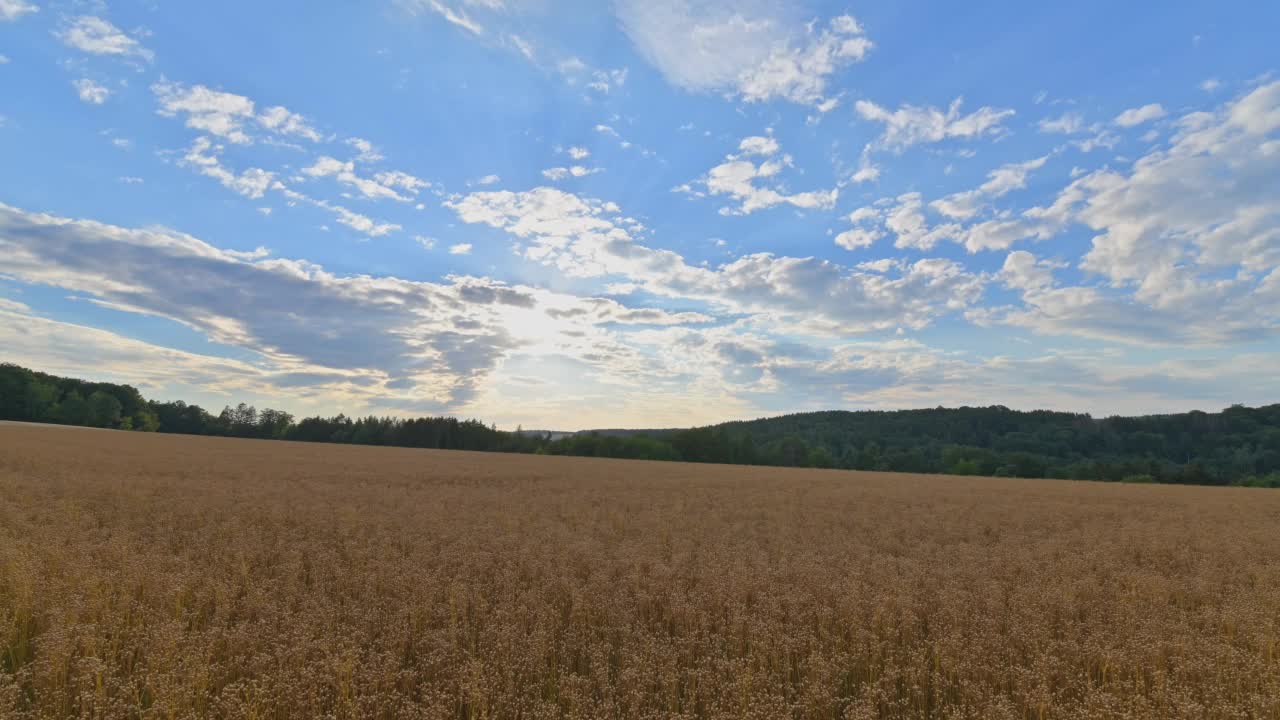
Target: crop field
column 151, row 576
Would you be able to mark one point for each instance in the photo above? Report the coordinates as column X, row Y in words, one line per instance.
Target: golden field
column 148, row 576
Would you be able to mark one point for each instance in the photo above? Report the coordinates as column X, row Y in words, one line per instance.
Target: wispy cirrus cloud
column 752, row 51
column 911, row 125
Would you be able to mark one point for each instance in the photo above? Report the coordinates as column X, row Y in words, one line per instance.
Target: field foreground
column 171, row 576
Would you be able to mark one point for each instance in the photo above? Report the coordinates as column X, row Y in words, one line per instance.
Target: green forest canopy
column 1238, row 446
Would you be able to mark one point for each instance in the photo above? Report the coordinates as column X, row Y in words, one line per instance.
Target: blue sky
column 657, row 213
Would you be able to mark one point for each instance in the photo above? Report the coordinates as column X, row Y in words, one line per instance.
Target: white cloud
column 130, row 180
column 1188, row 240
column 396, row 178
column 571, row 66
column 97, row 36
column 858, row 238
column 11, row 10
column 1211, row 85
column 384, row 341
column 575, row 71
column 739, row 178
column 157, row 371
column 300, row 311
column 91, row 92
column 622, row 142
column 223, row 114
column 1100, row 139
column 284, row 122
column 449, row 12
column 1069, row 123
column 560, row 173
column 360, row 223
column 524, row 46
column 354, row 220
column 583, row 238
column 122, row 143
column 1000, row 182
column 367, row 152
column 865, row 231
column 749, row 50
column 1213, row 194
column 460, row 249
column 203, row 156
column 867, row 173
column 1139, row 115
column 4, row 59
column 218, row 113
column 605, row 81
column 13, row 306
column 578, row 153
column 910, row 125
column 491, row 22
column 758, row 145
column 344, row 172
column 1023, row 271
column 227, row 115
column 904, row 216
column 867, row 170
column 1072, row 123
column 488, row 180
column 907, row 222
column 799, row 73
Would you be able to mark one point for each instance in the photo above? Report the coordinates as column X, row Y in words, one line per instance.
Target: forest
column 1237, row 446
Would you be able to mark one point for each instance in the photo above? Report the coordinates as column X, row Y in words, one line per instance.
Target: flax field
column 153, row 576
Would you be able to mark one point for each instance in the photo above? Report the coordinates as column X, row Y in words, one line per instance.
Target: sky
column 644, row 213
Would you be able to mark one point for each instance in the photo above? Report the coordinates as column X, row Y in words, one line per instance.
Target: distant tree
column 41, row 402
column 820, row 457
column 104, row 410
column 144, row 420
column 72, row 410
column 790, row 451
column 240, row 421
column 274, row 424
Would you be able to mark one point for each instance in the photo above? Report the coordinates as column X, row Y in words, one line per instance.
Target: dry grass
column 158, row 577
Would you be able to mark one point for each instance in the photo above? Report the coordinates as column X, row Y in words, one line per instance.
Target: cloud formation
column 97, row 36
column 90, row 91
column 747, row 50
column 227, row 115
column 586, row 238
column 440, row 339
column 911, row 125
column 11, row 10
column 753, row 185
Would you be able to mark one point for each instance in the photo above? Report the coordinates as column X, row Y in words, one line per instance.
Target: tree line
column 1238, row 446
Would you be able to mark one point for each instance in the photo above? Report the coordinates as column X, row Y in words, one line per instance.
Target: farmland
column 168, row 576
